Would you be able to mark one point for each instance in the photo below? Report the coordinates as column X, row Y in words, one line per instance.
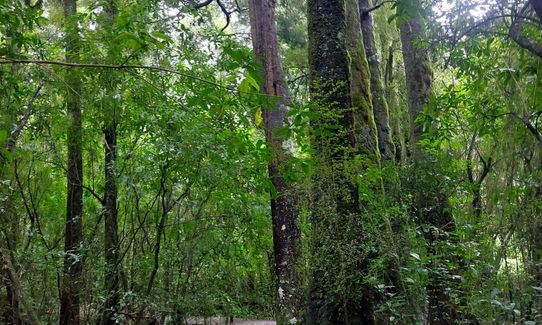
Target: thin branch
column 93, row 193
column 203, row 4
column 112, row 66
column 14, row 135
column 226, row 13
column 365, row 12
column 529, row 126
column 127, row 67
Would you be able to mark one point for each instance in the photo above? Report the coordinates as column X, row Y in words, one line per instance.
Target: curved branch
column 517, row 36
column 202, row 4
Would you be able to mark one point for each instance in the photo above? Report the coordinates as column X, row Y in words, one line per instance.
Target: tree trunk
column 418, row 73
column 72, row 281
column 537, row 6
column 394, row 107
column 111, row 240
column 284, row 210
column 430, row 199
column 380, row 105
column 344, row 135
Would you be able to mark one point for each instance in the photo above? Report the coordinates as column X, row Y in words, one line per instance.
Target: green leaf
column 130, row 40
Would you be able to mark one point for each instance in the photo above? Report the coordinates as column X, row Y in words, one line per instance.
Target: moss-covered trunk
column 380, row 105
column 344, row 136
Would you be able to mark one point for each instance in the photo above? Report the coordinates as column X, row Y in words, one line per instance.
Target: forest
column 319, row 162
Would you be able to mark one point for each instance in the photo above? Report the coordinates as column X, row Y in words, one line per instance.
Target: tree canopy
column 307, row 162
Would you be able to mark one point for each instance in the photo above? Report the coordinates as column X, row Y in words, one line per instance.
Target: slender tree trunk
column 430, row 202
column 111, row 240
column 284, row 209
column 72, row 281
column 395, row 109
column 380, row 105
column 344, row 135
column 418, row 73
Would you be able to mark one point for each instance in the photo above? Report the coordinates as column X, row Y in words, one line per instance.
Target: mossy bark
column 344, row 136
column 380, row 105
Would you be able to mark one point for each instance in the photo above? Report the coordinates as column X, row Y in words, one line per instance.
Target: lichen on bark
column 344, row 136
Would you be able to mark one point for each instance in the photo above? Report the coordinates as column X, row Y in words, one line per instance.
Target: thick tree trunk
column 284, row 209
column 111, row 240
column 344, row 135
column 380, row 105
column 430, row 201
column 72, row 281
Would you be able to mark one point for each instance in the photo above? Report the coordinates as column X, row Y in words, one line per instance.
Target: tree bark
column 72, row 280
column 284, row 209
column 516, row 34
column 430, row 198
column 380, row 105
column 344, row 136
column 537, row 6
column 111, row 239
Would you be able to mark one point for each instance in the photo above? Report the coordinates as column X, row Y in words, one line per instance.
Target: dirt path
column 254, row 322
column 225, row 321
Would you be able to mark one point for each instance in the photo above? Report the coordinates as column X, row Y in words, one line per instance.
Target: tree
column 345, row 144
column 284, row 205
column 430, row 198
column 111, row 238
column 379, row 101
column 73, row 241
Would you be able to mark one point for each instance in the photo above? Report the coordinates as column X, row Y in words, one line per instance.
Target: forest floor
column 225, row 321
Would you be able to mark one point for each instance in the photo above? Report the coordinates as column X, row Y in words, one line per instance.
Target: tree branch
column 529, row 126
column 112, row 66
column 93, row 193
column 202, row 4
column 365, row 11
column 516, row 34
column 226, row 13
column 16, row 132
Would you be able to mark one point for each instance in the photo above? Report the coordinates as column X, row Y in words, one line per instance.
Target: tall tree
column 380, row 105
column 430, row 200
column 73, row 240
column 284, row 209
column 344, row 136
column 111, row 240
